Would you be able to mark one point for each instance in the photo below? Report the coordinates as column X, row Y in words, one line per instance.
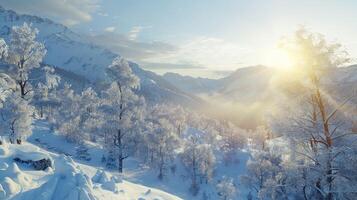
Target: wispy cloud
column 132, row 49
column 110, row 29
column 69, row 12
column 205, row 52
column 202, row 53
column 134, row 32
column 103, row 14
column 155, row 66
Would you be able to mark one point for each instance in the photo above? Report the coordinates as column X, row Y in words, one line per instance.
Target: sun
column 285, row 65
column 279, row 59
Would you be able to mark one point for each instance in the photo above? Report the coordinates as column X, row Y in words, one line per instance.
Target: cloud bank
column 201, row 53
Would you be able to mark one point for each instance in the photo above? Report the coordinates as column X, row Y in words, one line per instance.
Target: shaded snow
column 67, row 180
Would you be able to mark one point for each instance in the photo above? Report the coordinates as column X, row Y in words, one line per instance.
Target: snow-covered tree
column 163, row 143
column 226, row 189
column 118, row 115
column 175, row 114
column 199, row 161
column 77, row 117
column 90, row 119
column 45, row 92
column 119, row 107
column 3, row 49
column 262, row 167
column 233, row 139
column 313, row 122
column 65, row 118
column 7, row 86
column 16, row 118
column 24, row 54
column 120, row 72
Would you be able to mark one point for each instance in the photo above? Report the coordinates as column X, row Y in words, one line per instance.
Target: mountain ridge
column 75, row 54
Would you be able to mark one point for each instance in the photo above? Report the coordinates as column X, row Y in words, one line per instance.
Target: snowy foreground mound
column 65, row 180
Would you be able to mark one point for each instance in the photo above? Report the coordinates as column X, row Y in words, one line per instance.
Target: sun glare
column 279, row 59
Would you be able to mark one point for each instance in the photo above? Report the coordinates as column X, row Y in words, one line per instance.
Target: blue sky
column 198, row 37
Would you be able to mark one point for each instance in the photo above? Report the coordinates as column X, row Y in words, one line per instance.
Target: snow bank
column 16, row 174
column 108, row 182
column 4, row 149
column 68, row 182
column 31, row 154
column 10, row 187
column 100, row 177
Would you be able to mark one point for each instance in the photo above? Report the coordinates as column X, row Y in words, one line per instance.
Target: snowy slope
column 74, row 53
column 67, row 180
column 176, row 183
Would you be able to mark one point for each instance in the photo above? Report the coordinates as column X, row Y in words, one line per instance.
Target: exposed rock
column 42, row 164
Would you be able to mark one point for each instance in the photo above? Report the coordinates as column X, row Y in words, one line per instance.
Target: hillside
column 66, row 179
column 75, row 56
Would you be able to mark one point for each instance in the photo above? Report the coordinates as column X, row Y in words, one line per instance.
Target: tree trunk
column 18, row 141
column 327, row 135
column 120, row 155
column 120, row 169
column 161, row 165
column 41, row 112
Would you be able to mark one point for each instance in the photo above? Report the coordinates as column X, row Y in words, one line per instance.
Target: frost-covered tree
column 259, row 137
column 45, row 92
column 199, row 161
column 314, row 122
column 209, row 128
column 7, row 86
column 226, row 189
column 163, row 143
column 120, row 72
column 77, row 116
column 118, row 119
column 24, row 54
column 119, row 107
column 16, row 118
column 3, row 49
column 90, row 119
column 233, row 139
column 263, row 166
column 65, row 118
column 175, row 114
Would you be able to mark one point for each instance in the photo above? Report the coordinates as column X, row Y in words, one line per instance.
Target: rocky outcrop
column 42, row 164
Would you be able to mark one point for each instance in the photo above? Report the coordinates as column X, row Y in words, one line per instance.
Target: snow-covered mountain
column 253, row 79
column 252, row 83
column 191, row 84
column 248, row 93
column 75, row 56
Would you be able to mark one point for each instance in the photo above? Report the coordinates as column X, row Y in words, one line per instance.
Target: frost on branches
column 24, row 54
column 314, row 127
